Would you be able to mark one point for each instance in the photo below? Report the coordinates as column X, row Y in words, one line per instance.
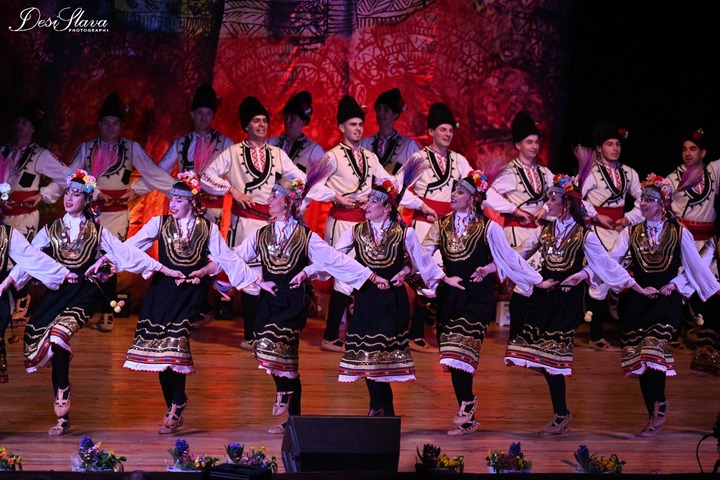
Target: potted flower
column 514, row 461
column 252, row 464
column 596, row 463
column 91, row 457
column 183, row 461
column 9, row 461
column 431, row 459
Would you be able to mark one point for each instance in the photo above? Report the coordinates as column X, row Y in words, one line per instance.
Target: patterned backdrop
column 486, row 59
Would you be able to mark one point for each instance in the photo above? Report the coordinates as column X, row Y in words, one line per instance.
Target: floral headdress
column 294, row 190
column 657, row 188
column 88, row 185
column 476, row 182
column 384, row 190
column 186, row 185
column 563, row 184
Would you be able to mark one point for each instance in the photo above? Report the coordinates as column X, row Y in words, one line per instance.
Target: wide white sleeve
column 247, row 250
column 503, row 184
column 508, row 262
column 695, row 274
column 290, row 170
column 170, row 159
column 34, row 262
column 213, row 177
column 603, row 268
column 153, row 177
column 635, row 215
column 126, row 257
column 423, row 263
column 327, row 261
column 146, row 236
column 18, row 274
column 621, row 247
column 345, row 243
column 530, row 245
column 238, row 272
column 49, row 166
column 588, row 185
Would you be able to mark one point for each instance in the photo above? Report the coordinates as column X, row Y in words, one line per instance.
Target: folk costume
column 112, row 165
column 520, row 186
column 24, row 167
column 377, row 347
column 194, row 151
column 302, row 151
column 289, row 251
column 350, row 177
column 567, row 248
column 657, row 249
column 169, row 311
column 15, row 248
column 470, row 242
column 392, row 150
column 76, row 243
column 251, row 169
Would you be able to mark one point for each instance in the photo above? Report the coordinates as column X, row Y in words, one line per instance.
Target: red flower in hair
column 623, row 133
column 698, row 134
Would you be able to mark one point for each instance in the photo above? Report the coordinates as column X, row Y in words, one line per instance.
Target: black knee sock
column 462, row 385
column 375, row 394
column 652, row 385
column 60, row 368
column 387, row 399
column 518, row 313
column 249, row 312
column 419, row 319
column 336, row 309
column 599, row 317
column 556, row 384
column 296, row 387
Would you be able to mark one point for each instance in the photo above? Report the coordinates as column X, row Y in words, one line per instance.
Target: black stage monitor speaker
column 341, row 444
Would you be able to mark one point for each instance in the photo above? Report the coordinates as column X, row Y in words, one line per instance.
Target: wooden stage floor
column 230, row 401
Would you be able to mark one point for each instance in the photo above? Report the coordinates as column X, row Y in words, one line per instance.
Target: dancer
column 545, row 343
column 77, row 242
column 657, row 247
column 170, row 309
column 286, row 247
column 378, row 339
column 15, row 247
column 473, row 248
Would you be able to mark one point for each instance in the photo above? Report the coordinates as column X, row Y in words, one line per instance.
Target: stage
column 230, row 400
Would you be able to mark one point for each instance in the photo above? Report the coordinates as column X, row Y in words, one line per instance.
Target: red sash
column 441, row 208
column 115, row 204
column 615, row 213
column 356, row 215
column 211, row 201
column 17, row 200
column 700, row 230
column 510, row 220
column 256, row 212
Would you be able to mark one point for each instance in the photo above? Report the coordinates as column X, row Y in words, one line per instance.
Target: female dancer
column 377, row 346
column 545, row 343
column 658, row 247
column 74, row 241
column 14, row 246
column 285, row 248
column 170, row 309
column 473, row 248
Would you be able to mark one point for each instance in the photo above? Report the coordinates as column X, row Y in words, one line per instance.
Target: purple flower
column 181, row 445
column 86, row 443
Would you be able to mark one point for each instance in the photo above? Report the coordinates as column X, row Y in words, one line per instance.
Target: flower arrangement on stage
column 9, row 461
column 431, row 458
column 184, row 461
column 90, row 456
column 596, row 463
column 237, row 454
column 513, row 461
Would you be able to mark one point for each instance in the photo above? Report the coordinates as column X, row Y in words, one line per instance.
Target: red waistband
column 17, row 205
column 615, row 213
column 256, row 212
column 510, row 220
column 699, row 230
column 116, row 203
column 441, row 208
column 211, row 201
column 347, row 214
